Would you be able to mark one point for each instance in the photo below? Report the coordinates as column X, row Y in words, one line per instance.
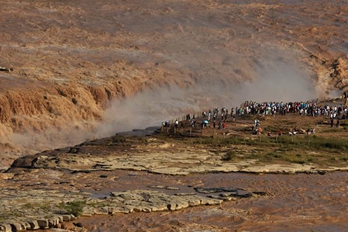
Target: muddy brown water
column 299, row 202
column 208, row 46
column 212, row 40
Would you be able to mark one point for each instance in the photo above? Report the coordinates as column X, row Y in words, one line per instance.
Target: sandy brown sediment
column 293, row 202
column 129, row 175
column 64, row 62
column 312, row 201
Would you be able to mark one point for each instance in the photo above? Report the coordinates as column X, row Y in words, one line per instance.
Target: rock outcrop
column 56, row 81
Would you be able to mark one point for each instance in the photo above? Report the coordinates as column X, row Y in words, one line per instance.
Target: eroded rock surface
column 64, row 63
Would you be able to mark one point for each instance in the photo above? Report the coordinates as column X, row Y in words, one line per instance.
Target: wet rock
column 194, row 201
column 158, row 208
column 5, row 228
column 34, row 225
column 185, row 194
column 4, row 69
column 77, row 224
column 43, row 223
column 215, row 190
column 142, row 209
column 15, row 226
column 68, row 218
column 209, row 201
column 225, row 193
column 178, row 204
column 172, row 188
column 53, row 222
column 74, row 150
column 147, row 201
column 321, row 172
column 26, row 225
column 102, row 211
column 87, row 211
column 6, row 176
column 157, row 186
column 260, row 193
column 242, row 194
column 221, row 197
column 102, row 166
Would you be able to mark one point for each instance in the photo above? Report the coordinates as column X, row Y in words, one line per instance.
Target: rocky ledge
column 47, row 189
column 41, row 209
column 155, row 155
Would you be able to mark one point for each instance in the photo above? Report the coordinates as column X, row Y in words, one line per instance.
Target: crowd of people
column 217, row 117
column 302, row 108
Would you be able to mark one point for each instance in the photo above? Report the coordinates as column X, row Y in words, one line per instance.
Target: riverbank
column 106, row 176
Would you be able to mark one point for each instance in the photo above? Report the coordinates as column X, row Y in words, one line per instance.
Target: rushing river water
column 277, row 46
column 299, row 202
